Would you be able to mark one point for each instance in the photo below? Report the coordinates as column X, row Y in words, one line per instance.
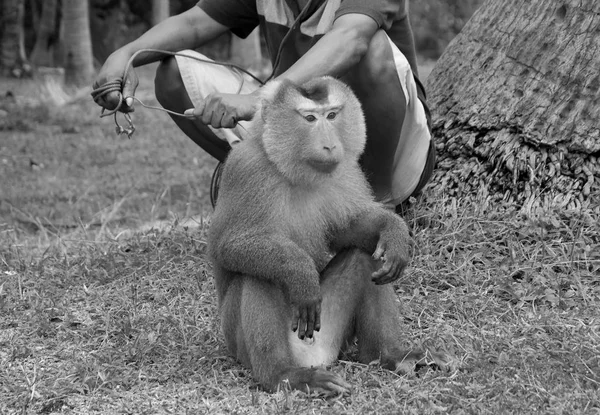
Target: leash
column 117, row 86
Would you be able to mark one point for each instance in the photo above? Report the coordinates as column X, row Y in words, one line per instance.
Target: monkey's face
column 310, row 130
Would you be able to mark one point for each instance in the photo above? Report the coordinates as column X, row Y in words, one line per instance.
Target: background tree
column 76, row 42
column 46, row 39
column 160, row 11
column 12, row 39
column 515, row 108
column 435, row 23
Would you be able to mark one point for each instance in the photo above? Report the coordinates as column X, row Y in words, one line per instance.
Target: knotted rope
column 100, row 92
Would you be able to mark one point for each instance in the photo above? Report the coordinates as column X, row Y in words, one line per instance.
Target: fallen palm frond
column 501, row 165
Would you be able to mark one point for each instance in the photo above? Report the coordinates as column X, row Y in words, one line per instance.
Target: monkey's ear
column 269, row 91
column 272, row 94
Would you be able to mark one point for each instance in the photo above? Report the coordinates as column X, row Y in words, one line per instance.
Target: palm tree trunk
column 160, row 11
column 43, row 51
column 76, row 42
column 515, row 103
column 12, row 45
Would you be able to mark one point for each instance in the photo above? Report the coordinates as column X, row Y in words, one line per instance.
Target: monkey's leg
column 379, row 331
column 340, row 298
column 261, row 339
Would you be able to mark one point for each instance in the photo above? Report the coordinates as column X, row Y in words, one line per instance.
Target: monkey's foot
column 315, row 380
column 406, row 362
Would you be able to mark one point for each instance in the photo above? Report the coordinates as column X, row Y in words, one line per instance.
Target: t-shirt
column 276, row 17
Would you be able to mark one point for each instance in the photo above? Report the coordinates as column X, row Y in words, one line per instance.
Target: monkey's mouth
column 323, row 166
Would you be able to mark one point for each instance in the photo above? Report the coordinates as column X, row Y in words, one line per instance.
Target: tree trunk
column 160, row 11
column 110, row 29
column 246, row 52
column 515, row 100
column 76, row 42
column 12, row 38
column 34, row 12
column 43, row 51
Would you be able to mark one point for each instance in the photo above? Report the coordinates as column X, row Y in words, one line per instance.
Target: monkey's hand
column 306, row 307
column 225, row 110
column 394, row 253
column 270, row 256
column 382, row 233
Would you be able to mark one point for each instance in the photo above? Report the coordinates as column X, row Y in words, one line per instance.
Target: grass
column 102, row 313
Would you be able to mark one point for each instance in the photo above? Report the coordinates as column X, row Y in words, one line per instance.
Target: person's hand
column 225, row 110
column 111, row 71
column 394, row 251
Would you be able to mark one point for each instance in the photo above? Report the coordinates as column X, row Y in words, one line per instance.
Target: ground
column 107, row 303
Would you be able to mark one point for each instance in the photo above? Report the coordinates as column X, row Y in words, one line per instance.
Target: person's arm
column 187, row 30
column 336, row 52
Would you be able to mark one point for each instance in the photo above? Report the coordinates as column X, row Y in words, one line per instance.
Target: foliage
column 115, row 22
column 436, row 22
column 105, row 310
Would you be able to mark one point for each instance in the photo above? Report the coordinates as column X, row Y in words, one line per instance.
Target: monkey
column 302, row 253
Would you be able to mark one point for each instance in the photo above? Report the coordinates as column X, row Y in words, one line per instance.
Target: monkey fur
column 292, row 197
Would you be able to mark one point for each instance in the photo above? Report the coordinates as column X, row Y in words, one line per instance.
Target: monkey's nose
column 329, row 147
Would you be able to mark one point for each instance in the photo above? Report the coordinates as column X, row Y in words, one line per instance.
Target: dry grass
column 97, row 320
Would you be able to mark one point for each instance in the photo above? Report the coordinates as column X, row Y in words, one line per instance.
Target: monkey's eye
column 331, row 115
column 310, row 118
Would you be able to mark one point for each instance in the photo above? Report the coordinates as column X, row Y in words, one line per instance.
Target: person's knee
column 377, row 66
column 167, row 82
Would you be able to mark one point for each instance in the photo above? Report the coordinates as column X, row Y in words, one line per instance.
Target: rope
column 285, row 38
column 117, row 86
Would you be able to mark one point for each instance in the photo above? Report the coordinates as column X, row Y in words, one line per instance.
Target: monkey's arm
column 277, row 259
column 384, row 235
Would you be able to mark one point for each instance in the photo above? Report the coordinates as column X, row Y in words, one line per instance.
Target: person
column 368, row 45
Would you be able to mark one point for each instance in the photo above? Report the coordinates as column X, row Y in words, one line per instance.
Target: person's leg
column 398, row 137
column 172, row 95
column 182, row 82
column 375, row 82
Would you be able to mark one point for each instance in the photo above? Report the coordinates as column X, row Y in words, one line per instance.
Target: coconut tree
column 43, row 51
column 515, row 101
column 76, row 42
column 160, row 11
column 12, row 45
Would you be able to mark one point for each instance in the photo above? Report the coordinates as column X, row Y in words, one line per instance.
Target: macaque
column 302, row 253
